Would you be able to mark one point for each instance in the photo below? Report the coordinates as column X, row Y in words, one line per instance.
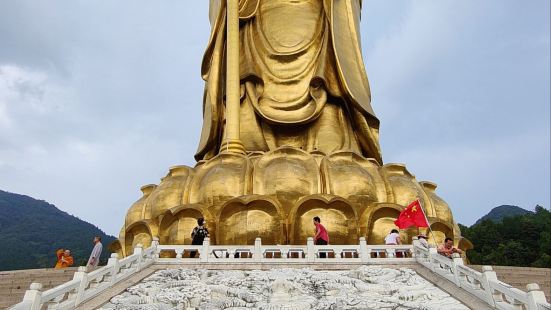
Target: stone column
column 535, row 296
column 488, row 274
column 310, row 250
column 456, row 261
column 205, row 251
column 82, row 276
column 32, row 298
column 257, row 253
column 138, row 250
column 364, row 255
column 155, row 244
column 113, row 263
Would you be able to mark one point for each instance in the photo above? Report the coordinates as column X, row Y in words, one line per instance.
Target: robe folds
column 302, row 77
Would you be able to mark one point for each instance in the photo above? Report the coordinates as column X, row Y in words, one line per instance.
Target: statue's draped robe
column 303, row 82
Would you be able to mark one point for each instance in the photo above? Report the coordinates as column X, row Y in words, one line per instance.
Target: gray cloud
column 462, row 89
column 99, row 99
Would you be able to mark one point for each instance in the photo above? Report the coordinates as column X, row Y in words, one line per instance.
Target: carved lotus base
column 275, row 195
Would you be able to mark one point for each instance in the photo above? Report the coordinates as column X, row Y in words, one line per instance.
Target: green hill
column 498, row 213
column 32, row 230
column 513, row 240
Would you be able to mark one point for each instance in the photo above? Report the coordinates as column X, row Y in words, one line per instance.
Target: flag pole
column 426, row 219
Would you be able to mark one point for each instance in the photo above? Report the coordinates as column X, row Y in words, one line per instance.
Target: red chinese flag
column 412, row 215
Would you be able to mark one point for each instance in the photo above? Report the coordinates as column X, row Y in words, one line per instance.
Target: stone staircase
column 519, row 277
column 89, row 290
column 13, row 284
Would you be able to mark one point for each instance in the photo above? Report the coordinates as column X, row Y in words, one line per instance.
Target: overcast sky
column 100, row 97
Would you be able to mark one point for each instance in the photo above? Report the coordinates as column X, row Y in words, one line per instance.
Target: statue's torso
column 290, row 26
column 282, row 46
column 302, row 81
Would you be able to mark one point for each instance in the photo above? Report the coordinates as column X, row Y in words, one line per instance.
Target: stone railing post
column 33, row 296
column 154, row 245
column 257, row 253
column 204, row 254
column 364, row 256
column 535, row 296
column 113, row 263
column 390, row 253
column 82, row 276
column 310, row 250
column 284, row 253
column 414, row 251
column 179, row 253
column 337, row 253
column 138, row 250
column 432, row 253
column 488, row 274
column 232, row 253
column 456, row 261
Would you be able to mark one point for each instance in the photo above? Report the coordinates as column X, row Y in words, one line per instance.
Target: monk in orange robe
column 64, row 259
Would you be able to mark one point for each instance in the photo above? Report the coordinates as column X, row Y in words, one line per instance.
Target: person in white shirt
column 93, row 261
column 393, row 238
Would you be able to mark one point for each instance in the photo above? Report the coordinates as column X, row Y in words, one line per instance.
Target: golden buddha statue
column 288, row 134
column 301, row 77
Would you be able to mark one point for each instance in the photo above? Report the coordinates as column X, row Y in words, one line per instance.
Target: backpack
column 200, row 234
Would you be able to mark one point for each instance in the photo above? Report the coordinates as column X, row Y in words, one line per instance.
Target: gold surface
column 248, row 218
column 302, row 81
column 274, row 196
column 288, row 134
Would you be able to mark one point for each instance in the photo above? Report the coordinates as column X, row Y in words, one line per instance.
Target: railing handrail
column 457, row 272
column 486, row 286
column 60, row 290
column 469, row 271
column 508, row 290
column 129, row 260
column 100, row 272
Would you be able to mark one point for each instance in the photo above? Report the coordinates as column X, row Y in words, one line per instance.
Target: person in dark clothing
column 321, row 236
column 198, row 235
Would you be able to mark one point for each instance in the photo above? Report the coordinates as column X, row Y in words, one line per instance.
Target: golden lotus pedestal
column 275, row 195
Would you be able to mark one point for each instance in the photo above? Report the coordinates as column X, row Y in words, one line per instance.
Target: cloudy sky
column 100, row 97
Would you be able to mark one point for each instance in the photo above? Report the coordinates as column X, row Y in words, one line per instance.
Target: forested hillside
column 519, row 240
column 32, row 230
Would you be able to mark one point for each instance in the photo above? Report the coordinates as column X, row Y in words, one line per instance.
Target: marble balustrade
column 86, row 285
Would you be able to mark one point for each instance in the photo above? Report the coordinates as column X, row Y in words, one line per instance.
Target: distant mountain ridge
column 498, row 213
column 32, row 230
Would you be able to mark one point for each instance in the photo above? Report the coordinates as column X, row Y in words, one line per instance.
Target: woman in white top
column 393, row 238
